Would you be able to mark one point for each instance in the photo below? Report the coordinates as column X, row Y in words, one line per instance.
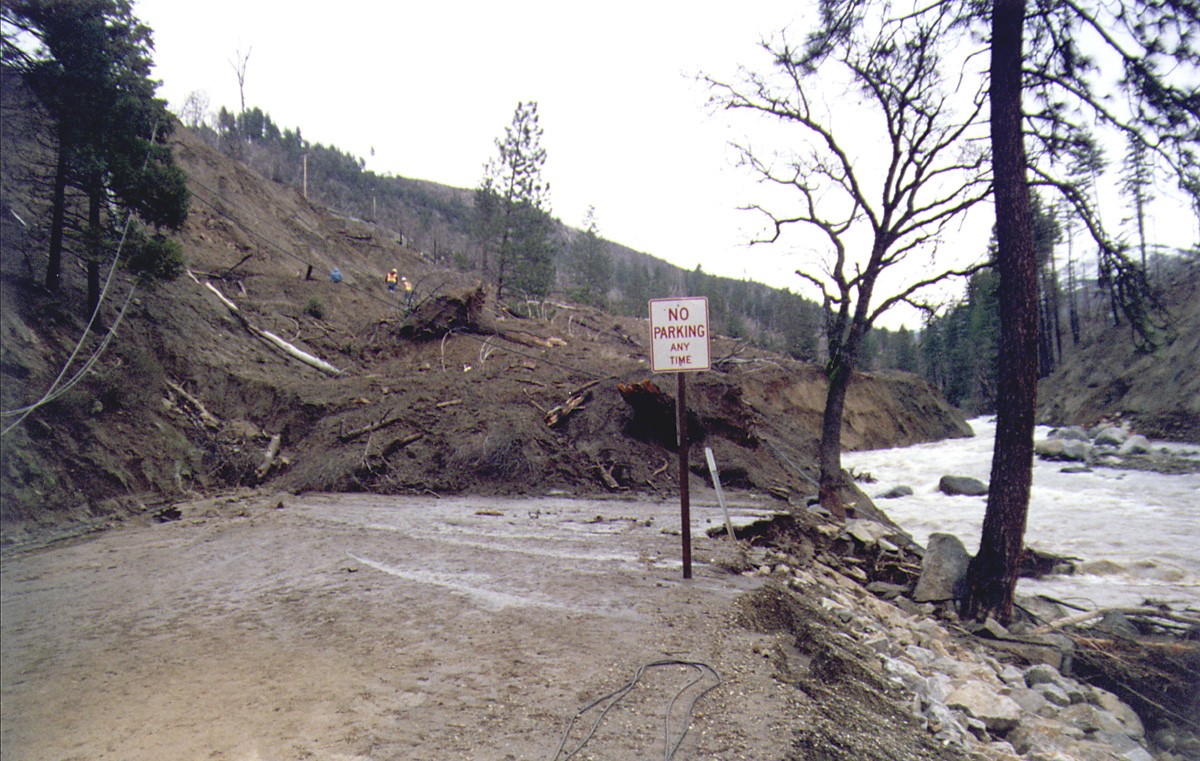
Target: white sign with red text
column 679, row 334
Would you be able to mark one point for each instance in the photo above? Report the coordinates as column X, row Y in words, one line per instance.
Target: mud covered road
column 356, row 627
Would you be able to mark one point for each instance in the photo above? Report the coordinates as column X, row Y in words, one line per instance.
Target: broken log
column 574, row 400
column 269, row 458
column 303, row 356
column 531, row 340
column 401, row 443
column 1144, row 612
column 207, row 418
column 607, row 477
column 383, row 423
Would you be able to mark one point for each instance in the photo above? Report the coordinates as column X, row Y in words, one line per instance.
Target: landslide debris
column 443, row 391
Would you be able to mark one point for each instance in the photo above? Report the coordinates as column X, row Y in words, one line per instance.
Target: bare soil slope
column 1157, row 391
column 437, row 398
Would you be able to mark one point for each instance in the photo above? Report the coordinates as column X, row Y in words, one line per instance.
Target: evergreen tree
column 1137, row 183
column 906, row 351
column 512, row 208
column 591, row 264
column 92, row 73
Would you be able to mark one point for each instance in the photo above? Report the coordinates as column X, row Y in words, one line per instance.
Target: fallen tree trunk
column 270, row 337
column 574, row 400
column 1090, row 615
column 207, row 418
column 303, row 356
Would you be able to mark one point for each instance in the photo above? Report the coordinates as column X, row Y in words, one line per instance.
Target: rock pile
column 980, row 696
column 1112, row 446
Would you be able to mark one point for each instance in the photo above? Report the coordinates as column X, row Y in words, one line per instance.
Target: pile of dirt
column 205, row 383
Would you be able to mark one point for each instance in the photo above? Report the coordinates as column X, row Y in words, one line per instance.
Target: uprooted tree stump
column 436, row 316
column 654, row 415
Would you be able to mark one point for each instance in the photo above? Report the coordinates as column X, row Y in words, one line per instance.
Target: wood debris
column 575, row 399
column 384, row 423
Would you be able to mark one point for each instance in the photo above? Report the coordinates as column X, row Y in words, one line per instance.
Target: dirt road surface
column 371, row 627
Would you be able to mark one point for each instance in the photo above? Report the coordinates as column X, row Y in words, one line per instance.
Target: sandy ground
column 355, row 627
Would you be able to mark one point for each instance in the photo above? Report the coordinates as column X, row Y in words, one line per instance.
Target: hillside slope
column 189, row 396
column 1157, row 392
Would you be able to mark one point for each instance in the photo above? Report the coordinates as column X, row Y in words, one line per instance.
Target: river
column 1146, row 525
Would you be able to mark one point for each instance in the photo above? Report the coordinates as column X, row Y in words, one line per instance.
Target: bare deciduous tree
column 239, row 70
column 194, row 111
column 869, row 216
column 1061, row 71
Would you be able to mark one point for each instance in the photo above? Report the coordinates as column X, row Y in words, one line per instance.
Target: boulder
column 943, row 570
column 1031, row 701
column 868, row 532
column 1049, row 449
column 999, row 713
column 1043, row 738
column 962, row 485
column 896, row 492
column 1112, row 436
column 1054, row 694
column 1040, row 673
column 1123, row 713
column 1077, row 451
column 1071, row 432
column 1063, row 449
column 1136, row 444
column 1122, row 746
column 887, row 590
column 1089, row 719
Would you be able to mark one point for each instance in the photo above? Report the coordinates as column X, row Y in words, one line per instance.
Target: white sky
column 430, row 85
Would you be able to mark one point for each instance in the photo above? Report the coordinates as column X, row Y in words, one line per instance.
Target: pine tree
column 1058, row 72
column 514, row 226
column 92, row 73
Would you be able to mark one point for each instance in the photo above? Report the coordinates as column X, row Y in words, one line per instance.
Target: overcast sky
column 429, row 87
column 423, row 90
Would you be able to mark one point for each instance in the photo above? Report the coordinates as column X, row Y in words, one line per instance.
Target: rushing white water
column 1145, row 524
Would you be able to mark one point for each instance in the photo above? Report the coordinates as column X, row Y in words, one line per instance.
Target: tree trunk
column 58, row 214
column 95, row 240
column 829, row 454
column 832, row 493
column 992, row 575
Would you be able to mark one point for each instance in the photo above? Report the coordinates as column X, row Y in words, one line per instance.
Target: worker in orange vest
column 392, row 278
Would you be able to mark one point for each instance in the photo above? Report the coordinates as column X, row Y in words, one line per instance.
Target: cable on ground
column 611, row 699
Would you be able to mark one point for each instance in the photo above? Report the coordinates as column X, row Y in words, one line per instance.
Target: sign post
column 679, row 344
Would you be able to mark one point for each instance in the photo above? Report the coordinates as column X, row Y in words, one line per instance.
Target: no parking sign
column 679, row 334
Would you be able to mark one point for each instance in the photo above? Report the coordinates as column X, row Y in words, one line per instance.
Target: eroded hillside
column 1155, row 389
column 191, row 396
